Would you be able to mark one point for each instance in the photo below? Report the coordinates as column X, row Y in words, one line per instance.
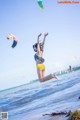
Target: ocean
column 32, row 100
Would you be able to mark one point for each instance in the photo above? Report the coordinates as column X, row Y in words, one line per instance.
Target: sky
column 26, row 20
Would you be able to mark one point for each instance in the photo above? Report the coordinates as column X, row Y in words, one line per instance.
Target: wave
column 59, row 73
column 34, row 97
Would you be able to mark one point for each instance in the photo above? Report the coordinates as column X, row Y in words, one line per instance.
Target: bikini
column 38, row 59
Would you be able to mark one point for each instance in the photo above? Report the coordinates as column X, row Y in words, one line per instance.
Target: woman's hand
column 39, row 35
column 45, row 34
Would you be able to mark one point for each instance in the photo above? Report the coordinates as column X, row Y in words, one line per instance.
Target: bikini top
column 39, row 59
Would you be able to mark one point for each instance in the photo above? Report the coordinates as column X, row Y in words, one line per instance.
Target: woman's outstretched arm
column 38, row 43
column 44, row 40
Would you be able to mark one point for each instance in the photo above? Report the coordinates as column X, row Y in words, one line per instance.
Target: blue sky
column 26, row 20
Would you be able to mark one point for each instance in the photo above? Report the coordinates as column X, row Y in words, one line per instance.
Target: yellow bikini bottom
column 40, row 66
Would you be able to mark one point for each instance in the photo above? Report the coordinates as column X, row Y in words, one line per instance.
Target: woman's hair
column 35, row 47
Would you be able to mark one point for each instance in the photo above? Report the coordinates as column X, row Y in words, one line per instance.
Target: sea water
column 32, row 100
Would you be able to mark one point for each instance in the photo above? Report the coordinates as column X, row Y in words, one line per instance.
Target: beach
column 33, row 100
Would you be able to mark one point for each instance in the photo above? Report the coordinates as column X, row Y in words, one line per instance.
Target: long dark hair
column 35, row 47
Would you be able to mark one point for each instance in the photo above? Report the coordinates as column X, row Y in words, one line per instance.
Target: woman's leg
column 48, row 77
column 43, row 73
column 39, row 72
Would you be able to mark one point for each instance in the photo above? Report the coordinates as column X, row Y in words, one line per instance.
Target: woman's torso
column 38, row 58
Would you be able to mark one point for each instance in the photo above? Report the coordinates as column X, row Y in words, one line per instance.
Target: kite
column 40, row 3
column 15, row 40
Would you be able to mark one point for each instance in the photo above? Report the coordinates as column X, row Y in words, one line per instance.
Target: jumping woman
column 39, row 49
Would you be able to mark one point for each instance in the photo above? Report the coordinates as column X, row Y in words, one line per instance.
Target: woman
column 39, row 49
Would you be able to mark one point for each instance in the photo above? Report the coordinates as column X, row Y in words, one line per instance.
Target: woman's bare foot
column 54, row 76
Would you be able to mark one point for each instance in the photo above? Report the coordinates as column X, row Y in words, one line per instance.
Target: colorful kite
column 40, row 3
column 15, row 40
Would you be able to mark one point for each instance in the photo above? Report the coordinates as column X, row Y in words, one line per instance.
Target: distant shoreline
column 58, row 73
